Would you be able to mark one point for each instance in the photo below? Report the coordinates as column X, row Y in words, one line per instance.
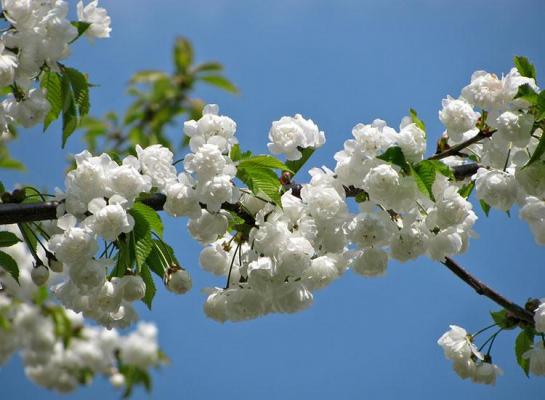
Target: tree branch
column 454, row 150
column 484, row 290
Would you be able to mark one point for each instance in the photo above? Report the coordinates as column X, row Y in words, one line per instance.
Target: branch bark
column 485, row 290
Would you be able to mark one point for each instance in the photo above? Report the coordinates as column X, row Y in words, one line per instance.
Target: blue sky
column 339, row 63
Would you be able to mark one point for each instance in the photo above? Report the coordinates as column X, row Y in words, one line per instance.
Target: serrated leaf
column 414, row 117
column 394, row 155
column 8, row 239
column 141, row 242
column 523, row 343
column 69, row 111
column 424, row 175
column 263, row 161
column 527, row 93
column 235, row 154
column 156, row 262
column 466, row 190
column 51, row 82
column 80, row 88
column 123, row 259
column 485, row 207
column 538, row 152
column 263, row 182
column 82, row 27
column 151, row 216
column 8, row 264
column 525, row 67
column 220, row 82
column 296, row 165
column 502, row 319
column 150, row 285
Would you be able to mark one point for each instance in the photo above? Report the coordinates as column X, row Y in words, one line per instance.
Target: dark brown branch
column 455, row 150
column 12, row 213
column 484, row 290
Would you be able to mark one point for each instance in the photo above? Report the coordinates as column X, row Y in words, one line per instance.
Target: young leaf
column 220, row 82
column 123, row 259
column 151, row 216
column 80, row 88
column 538, row 152
column 525, row 67
column 523, row 343
column 502, row 319
column 8, row 239
column 9, row 265
column 150, row 285
column 465, row 191
column 525, row 92
column 51, row 82
column 183, row 54
column 81, row 26
column 394, row 155
column 262, row 182
column 416, row 120
column 424, row 175
column 485, row 207
column 140, row 238
column 263, row 161
column 296, row 165
column 10, row 163
column 69, row 111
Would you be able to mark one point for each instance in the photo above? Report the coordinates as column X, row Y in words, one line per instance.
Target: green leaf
column 424, row 177
column 209, row 67
column 51, row 82
column 140, row 236
column 523, row 343
column 394, row 155
column 148, row 76
column 183, row 54
column 80, row 87
column 28, row 236
column 151, row 216
column 502, row 319
column 150, row 285
column 525, row 67
column 361, row 197
column 62, row 324
column 416, row 120
column 296, row 165
column 538, row 152
column 9, row 265
column 441, row 167
column 82, row 27
column 235, row 153
column 263, row 161
column 485, row 207
column 134, row 376
column 540, row 107
column 263, row 182
column 8, row 239
column 2, row 188
column 465, row 191
column 69, row 111
column 156, row 262
column 123, row 259
column 526, row 92
column 10, row 163
column 220, row 82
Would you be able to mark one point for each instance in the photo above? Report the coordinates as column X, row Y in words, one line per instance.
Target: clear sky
column 339, row 63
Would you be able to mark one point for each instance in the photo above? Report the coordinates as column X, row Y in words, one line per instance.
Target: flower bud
column 40, row 275
column 178, row 280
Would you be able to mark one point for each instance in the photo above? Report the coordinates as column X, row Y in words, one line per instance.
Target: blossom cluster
column 467, row 361
column 39, row 36
column 505, row 176
column 63, row 363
